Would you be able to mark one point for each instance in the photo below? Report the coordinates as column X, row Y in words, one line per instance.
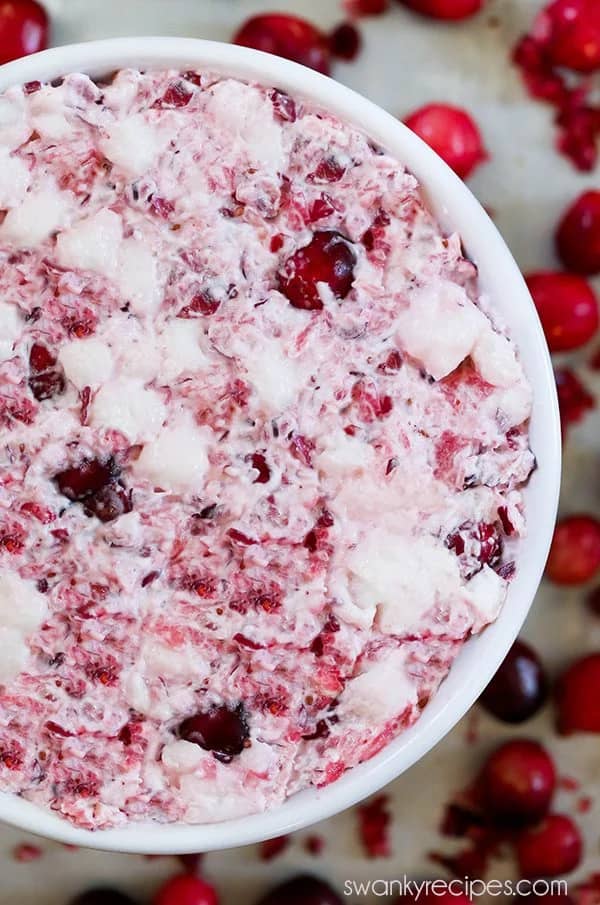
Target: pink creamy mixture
column 261, row 453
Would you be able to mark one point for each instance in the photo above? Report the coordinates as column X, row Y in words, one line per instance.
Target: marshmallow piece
column 13, row 654
column 495, row 359
column 182, row 756
column 92, row 244
column 86, row 362
column 41, row 213
column 125, row 405
column 133, row 145
column 22, row 607
column 381, row 692
column 177, row 459
column 137, row 276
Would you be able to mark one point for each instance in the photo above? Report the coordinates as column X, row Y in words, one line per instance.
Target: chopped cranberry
column 109, row 502
column 477, row 545
column 40, row 359
column 452, row 133
column 577, row 697
column 24, row 28
column 374, row 821
column 162, row 207
column 366, row 7
column 345, row 41
column 302, row 890
column 186, row 889
column 578, row 234
column 579, row 128
column 286, row 36
column 176, row 95
column 321, row 730
column 445, row 9
column 567, row 307
column 572, row 34
column 328, row 170
column 553, row 848
column 272, row 848
column 320, row 209
column 26, row 853
column 11, row 756
column 328, row 258
column 80, row 481
column 222, row 730
column 259, row 463
column 574, row 556
column 517, row 783
column 519, row 688
column 392, row 363
column 574, row 400
column 46, row 379
column 302, row 449
column 284, row 106
column 192, row 862
column 31, row 88
column 203, row 304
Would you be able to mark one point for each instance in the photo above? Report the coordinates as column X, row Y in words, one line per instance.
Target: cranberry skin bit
column 24, row 29
column 287, row 36
column 221, row 729
column 46, row 378
column 553, row 848
column 302, row 890
column 567, row 307
column 102, row 896
column 82, row 480
column 577, row 697
column 517, row 783
column 328, row 258
column 520, row 687
column 574, row 556
column 452, row 133
column 450, row 10
column 186, row 889
column 578, row 234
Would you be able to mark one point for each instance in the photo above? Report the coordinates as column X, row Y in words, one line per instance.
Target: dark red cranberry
column 328, row 258
column 102, row 896
column 519, row 688
column 272, row 848
column 222, row 730
column 302, row 890
column 320, row 208
column 345, row 41
column 572, row 34
column 553, row 848
column 361, row 8
column 452, row 133
column 46, row 378
column 567, row 307
column 574, row 399
column 284, row 106
column 176, row 95
column 577, row 697
column 517, row 783
column 574, row 556
column 109, row 502
column 477, row 546
column 186, row 889
column 451, row 10
column 578, row 234
column 374, row 819
column 327, row 170
column 80, row 481
column 259, row 463
column 24, row 28
column 287, row 36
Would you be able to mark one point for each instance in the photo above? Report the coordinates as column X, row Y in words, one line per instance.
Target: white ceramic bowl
column 457, row 208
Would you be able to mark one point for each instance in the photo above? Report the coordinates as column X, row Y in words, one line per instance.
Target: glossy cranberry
column 567, row 308
column 328, row 258
column 452, row 133
column 186, row 889
column 366, row 7
column 553, row 848
column 517, row 783
column 573, row 34
column 519, row 688
column 80, row 481
column 575, row 551
column 578, row 234
column 23, row 28
column 284, row 107
column 109, row 502
column 259, row 463
column 287, row 36
column 577, row 697
column 222, row 730
column 46, row 377
column 102, row 896
column 345, row 41
column 302, row 890
column 451, row 10
column 574, row 400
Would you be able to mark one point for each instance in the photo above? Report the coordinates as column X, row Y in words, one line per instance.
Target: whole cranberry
column 567, row 307
column 578, row 234
column 186, row 889
column 345, row 41
column 517, row 782
column 519, row 688
column 287, row 36
column 328, row 258
column 452, row 133
column 220, row 729
column 451, row 10
column 301, row 890
column 102, row 896
column 366, row 7
column 577, row 697
column 573, row 28
column 23, row 28
column 553, row 848
column 574, row 399
column 574, row 556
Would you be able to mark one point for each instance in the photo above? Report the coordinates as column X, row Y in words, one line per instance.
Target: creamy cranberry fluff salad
column 262, row 448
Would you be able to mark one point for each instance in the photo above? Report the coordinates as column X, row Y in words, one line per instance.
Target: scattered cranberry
column 272, row 848
column 452, row 133
column 374, row 821
column 302, row 890
column 259, row 463
column 577, row 697
column 23, row 28
column 575, row 552
column 95, row 484
column 519, row 688
column 572, row 37
column 345, row 41
column 314, row 845
column 222, row 730
column 574, row 400
column 517, row 782
column 102, row 896
column 109, row 502
column 328, row 258
column 578, row 234
column 366, row 7
column 578, row 130
column 24, row 853
column 451, row 10
column 46, row 378
column 567, row 308
column 186, row 890
column 550, row 849
column 287, row 36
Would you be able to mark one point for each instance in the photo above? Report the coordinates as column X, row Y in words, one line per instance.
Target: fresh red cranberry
column 272, row 848
column 573, row 34
column 328, row 170
column 284, row 106
column 476, row 545
column 374, row 819
column 553, row 848
column 259, row 463
column 328, row 258
column 574, row 400
column 102, row 896
column 361, row 8
column 109, row 502
column 575, row 552
column 46, row 378
column 577, row 697
column 80, row 481
column 445, row 9
column 23, row 28
column 345, row 41
column 186, row 889
column 578, row 129
column 177, row 95
column 452, row 133
column 287, row 36
column 517, row 783
column 567, row 308
column 578, row 234
column 302, row 890
column 519, row 688
column 222, row 730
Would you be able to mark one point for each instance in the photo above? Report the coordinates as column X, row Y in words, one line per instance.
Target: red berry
column 578, row 234
column 573, row 34
column 554, row 847
column 575, row 552
column 23, row 28
column 345, row 41
column 374, row 820
column 287, row 36
column 328, row 258
column 109, row 502
column 46, row 378
column 445, row 9
column 302, row 890
column 259, row 463
column 186, row 890
column 567, row 308
column 272, row 848
column 79, row 482
column 366, row 7
column 574, row 400
column 577, row 697
column 517, row 782
column 222, row 730
column 102, row 896
column 452, row 133
column 519, row 688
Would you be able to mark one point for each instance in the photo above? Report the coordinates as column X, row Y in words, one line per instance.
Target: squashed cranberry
column 345, row 41
column 284, row 106
column 553, row 848
column 578, row 234
column 109, row 502
column 574, row 556
column 46, row 377
column 328, row 258
column 302, row 890
column 186, row 889
column 452, row 133
column 287, row 36
column 23, row 28
column 476, row 545
column 577, row 697
column 221, row 729
column 572, row 37
column 567, row 307
column 519, row 688
column 102, row 896
column 451, row 10
column 517, row 783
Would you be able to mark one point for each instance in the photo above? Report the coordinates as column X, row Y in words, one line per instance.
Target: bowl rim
column 456, row 208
